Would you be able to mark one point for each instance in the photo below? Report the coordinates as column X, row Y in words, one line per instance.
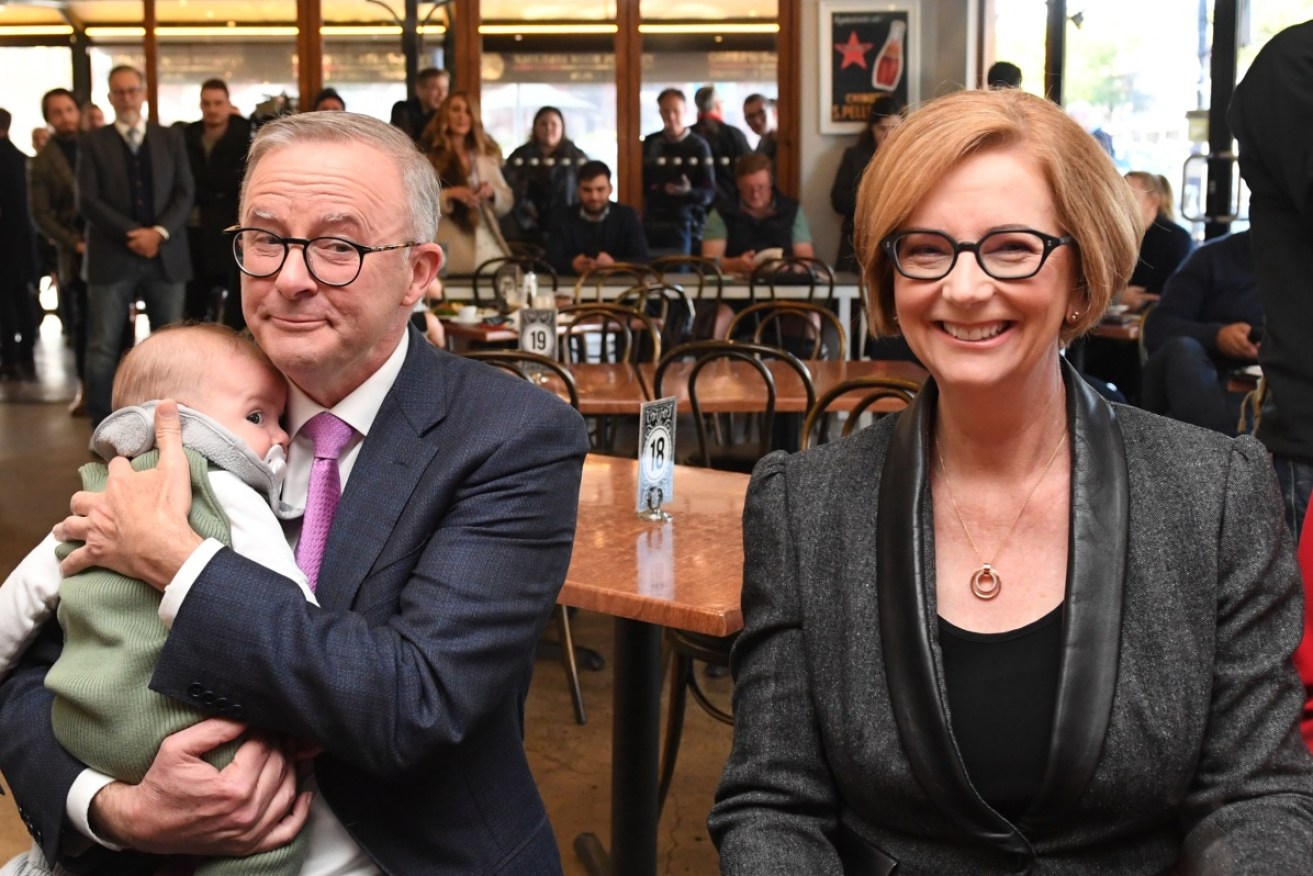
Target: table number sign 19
column 656, row 458
column 538, row 332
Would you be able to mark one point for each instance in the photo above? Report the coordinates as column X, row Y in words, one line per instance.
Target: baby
column 230, row 400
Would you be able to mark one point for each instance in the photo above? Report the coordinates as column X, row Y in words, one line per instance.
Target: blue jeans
column 107, row 313
column 1295, row 479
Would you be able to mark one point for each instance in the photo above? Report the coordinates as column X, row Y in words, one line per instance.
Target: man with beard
column 54, row 210
column 216, row 149
column 599, row 231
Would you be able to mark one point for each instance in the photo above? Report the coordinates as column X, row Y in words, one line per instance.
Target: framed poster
column 868, row 49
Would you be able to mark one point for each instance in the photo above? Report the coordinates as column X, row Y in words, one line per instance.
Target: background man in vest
column 762, row 218
column 135, row 190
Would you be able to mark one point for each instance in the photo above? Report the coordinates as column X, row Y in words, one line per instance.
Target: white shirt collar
column 123, row 128
column 358, row 409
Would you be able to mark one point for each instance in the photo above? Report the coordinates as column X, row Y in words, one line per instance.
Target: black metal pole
column 1055, row 49
column 1218, row 204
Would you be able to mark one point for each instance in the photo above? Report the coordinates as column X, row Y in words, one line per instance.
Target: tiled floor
column 40, row 449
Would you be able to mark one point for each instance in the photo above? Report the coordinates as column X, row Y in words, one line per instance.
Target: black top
column 1002, row 689
column 1164, row 246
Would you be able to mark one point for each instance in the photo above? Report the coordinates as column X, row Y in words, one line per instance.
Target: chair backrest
column 792, row 271
column 698, row 276
column 528, row 366
column 667, row 305
column 613, row 327
column 622, row 274
column 801, row 327
column 1140, row 340
column 485, row 275
column 855, row 396
column 705, row 354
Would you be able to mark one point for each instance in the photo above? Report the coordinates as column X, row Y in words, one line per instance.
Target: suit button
column 195, row 690
column 222, row 704
column 237, row 711
column 208, row 698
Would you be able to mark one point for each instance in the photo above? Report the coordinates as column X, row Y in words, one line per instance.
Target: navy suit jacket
column 106, row 203
column 445, row 559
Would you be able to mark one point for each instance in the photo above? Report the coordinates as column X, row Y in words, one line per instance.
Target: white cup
column 468, row 313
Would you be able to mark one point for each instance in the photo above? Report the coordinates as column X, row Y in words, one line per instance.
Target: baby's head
column 214, row 370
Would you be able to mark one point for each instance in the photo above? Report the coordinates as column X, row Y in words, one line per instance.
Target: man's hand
column 145, row 242
column 739, row 264
column 1136, row 297
column 603, row 260
column 683, row 187
column 138, row 525
column 1233, row 340
column 185, row 806
column 582, row 264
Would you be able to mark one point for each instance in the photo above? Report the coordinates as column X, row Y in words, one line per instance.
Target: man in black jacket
column 679, row 180
column 598, row 232
column 216, row 150
column 728, row 144
column 18, row 321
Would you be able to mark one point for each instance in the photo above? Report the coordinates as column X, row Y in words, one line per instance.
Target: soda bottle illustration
column 887, row 71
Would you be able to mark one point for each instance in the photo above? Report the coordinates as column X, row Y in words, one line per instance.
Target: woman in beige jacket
column 474, row 192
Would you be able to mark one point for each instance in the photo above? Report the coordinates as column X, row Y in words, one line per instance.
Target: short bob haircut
column 1092, row 201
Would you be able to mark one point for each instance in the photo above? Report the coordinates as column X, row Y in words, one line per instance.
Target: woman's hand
column 466, row 195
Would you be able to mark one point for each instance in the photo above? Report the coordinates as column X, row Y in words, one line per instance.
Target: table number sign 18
column 656, row 458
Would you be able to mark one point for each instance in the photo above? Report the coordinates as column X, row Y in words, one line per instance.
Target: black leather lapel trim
column 909, row 630
column 1092, row 619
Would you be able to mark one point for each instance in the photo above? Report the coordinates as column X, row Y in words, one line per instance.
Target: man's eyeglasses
column 125, row 92
column 1004, row 255
column 333, row 261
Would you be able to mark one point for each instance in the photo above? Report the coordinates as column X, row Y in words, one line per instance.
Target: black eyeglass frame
column 304, row 243
column 1050, row 243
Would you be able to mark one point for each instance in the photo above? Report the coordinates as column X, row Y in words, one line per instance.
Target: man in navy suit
column 134, row 188
column 442, row 562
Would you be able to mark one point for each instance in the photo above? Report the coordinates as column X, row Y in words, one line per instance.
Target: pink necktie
column 330, row 435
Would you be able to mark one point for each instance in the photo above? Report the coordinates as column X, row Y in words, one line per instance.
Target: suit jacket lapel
column 392, row 460
column 1092, row 617
column 1091, row 625
column 909, row 630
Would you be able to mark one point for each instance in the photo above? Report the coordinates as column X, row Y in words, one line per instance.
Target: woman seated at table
column 1014, row 628
column 1164, row 244
column 474, row 192
column 544, row 177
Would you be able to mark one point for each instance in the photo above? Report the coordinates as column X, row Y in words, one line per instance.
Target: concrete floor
column 41, row 447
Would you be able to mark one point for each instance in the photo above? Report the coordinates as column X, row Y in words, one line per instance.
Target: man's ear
column 425, row 262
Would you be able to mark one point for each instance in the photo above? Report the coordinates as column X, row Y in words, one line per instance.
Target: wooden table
column 685, row 573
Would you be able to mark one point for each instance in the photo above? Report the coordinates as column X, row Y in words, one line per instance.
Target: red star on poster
column 854, row 51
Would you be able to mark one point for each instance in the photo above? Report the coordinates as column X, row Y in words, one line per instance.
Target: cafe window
column 29, row 72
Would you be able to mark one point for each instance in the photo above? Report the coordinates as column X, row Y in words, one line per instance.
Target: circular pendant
column 986, row 583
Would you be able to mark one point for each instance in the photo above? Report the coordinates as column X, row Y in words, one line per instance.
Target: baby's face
column 248, row 398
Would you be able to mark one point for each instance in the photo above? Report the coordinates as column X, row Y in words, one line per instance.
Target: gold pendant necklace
column 985, row 581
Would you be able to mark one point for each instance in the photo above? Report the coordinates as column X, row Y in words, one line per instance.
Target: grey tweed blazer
column 1175, row 746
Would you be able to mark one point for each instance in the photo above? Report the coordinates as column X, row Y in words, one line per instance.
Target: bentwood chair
column 703, row 283
column 792, row 271
column 857, row 396
column 687, row 648
column 526, row 366
column 624, row 275
column 488, row 276
column 807, row 330
column 668, row 306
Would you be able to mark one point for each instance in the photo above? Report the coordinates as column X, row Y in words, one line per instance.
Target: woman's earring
column 1073, row 316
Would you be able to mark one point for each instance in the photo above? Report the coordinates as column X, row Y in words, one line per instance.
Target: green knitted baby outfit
column 104, row 711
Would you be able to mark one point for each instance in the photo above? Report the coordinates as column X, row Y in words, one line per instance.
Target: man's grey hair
column 418, row 179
